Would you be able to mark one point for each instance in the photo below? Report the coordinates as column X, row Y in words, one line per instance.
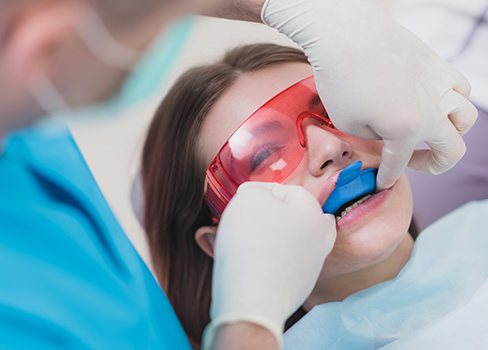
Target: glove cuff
column 211, row 329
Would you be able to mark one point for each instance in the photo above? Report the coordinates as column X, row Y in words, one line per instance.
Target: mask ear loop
column 104, row 46
column 48, row 96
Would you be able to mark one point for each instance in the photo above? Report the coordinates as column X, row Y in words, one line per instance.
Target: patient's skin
column 372, row 243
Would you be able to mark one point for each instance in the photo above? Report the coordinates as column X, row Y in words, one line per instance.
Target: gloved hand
column 271, row 245
column 378, row 80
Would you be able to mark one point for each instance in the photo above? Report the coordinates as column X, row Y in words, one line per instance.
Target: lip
column 364, row 210
column 328, row 188
column 330, row 184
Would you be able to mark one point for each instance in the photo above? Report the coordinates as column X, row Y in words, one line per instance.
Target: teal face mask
column 144, row 78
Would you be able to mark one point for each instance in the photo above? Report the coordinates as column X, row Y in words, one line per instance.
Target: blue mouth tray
column 352, row 183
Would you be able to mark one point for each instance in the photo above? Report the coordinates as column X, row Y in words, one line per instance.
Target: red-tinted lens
column 267, row 147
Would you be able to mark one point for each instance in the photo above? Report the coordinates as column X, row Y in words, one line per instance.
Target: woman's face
column 367, row 234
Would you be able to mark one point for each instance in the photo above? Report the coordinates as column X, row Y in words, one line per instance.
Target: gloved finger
column 295, row 196
column 290, row 194
column 255, row 191
column 394, row 158
column 250, row 185
column 355, row 129
column 446, row 149
column 330, row 228
column 303, row 201
column 462, row 113
column 460, row 83
column 277, row 190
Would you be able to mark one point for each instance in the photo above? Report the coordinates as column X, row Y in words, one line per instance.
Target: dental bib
column 351, row 184
column 439, row 300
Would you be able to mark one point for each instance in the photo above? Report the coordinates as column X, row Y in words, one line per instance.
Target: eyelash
column 262, row 155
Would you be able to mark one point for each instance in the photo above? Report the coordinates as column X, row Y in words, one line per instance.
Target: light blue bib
column 438, row 301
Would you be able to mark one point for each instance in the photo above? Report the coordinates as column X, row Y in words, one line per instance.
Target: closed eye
column 262, row 155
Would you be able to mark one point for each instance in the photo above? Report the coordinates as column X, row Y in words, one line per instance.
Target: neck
column 339, row 287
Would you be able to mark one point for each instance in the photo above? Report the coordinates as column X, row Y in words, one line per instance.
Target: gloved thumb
column 330, row 232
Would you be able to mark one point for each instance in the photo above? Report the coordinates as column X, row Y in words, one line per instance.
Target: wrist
column 242, row 336
column 259, row 322
column 240, row 305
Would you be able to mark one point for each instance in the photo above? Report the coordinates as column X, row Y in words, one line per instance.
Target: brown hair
column 173, row 179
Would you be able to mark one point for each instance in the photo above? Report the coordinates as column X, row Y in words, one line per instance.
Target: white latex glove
column 378, row 80
column 271, row 245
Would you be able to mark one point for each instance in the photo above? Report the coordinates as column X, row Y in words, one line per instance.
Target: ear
column 205, row 238
column 37, row 33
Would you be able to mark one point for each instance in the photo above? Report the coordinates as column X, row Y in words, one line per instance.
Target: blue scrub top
column 69, row 277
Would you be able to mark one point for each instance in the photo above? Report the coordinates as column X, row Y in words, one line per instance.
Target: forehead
column 250, row 91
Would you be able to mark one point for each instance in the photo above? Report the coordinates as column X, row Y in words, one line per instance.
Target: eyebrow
column 259, row 130
column 265, row 127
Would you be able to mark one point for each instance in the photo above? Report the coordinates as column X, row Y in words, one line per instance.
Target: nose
column 325, row 149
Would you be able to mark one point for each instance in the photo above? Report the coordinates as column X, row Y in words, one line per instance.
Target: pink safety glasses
column 268, row 146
